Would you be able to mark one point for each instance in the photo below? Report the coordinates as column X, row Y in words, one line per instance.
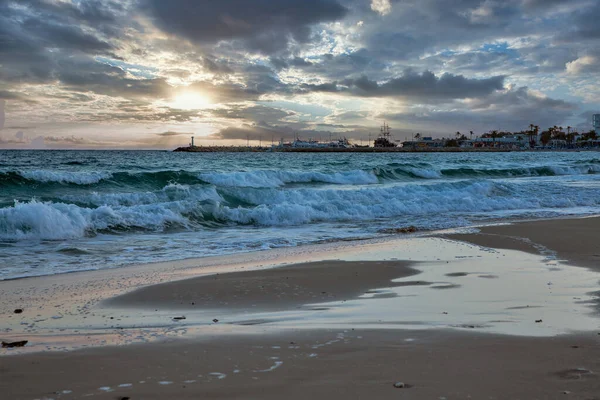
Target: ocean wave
column 273, row 179
column 78, row 178
column 58, row 221
column 430, row 172
column 169, row 193
column 192, row 208
column 42, row 176
column 154, row 180
column 131, row 179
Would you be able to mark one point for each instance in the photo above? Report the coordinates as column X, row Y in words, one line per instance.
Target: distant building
column 517, row 141
column 596, row 122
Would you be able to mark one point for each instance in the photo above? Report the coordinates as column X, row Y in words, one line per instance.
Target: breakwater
column 245, row 149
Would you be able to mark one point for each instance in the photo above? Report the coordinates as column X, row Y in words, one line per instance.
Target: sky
column 148, row 74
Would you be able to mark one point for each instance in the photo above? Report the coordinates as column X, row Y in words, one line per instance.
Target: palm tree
column 531, row 140
column 494, row 134
column 546, row 136
column 417, row 136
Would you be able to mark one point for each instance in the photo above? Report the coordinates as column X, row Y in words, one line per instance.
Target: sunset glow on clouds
column 149, row 73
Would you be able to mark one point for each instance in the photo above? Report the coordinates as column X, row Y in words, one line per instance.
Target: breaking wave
column 272, row 179
column 199, row 207
column 275, row 179
column 111, row 208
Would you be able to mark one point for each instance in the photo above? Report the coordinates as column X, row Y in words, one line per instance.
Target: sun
column 190, row 101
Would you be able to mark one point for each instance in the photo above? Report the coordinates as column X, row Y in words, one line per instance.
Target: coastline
column 337, row 346
column 573, row 240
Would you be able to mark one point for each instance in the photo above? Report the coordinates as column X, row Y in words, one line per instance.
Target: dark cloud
column 255, row 113
column 585, row 25
column 143, row 114
column 341, row 66
column 103, row 61
column 53, row 35
column 86, row 75
column 267, row 133
column 245, row 132
column 216, row 66
column 262, row 25
column 512, row 109
column 585, row 120
column 9, row 95
column 297, row 62
column 171, row 133
column 425, row 86
column 521, row 101
column 35, row 35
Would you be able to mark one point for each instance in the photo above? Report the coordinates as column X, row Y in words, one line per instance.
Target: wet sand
column 321, row 365
column 269, row 362
column 573, row 240
column 274, row 289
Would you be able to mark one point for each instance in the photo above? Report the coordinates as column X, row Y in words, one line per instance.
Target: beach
column 507, row 313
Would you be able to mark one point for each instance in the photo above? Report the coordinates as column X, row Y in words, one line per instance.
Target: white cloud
column 382, row 7
column 583, row 64
column 482, row 13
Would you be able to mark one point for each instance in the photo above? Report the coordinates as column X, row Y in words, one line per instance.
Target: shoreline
column 351, row 321
column 572, row 239
column 335, row 245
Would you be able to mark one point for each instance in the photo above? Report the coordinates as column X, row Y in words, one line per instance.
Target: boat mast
column 385, row 131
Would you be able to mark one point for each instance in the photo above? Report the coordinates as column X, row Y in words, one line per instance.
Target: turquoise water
column 64, row 211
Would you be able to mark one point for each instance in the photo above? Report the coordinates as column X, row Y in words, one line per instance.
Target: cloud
column 9, row 95
column 36, row 35
column 583, row 64
column 244, row 132
column 511, row 109
column 2, row 113
column 171, row 134
column 267, row 133
column 382, row 7
column 584, row 25
column 425, row 86
column 266, row 26
column 292, row 66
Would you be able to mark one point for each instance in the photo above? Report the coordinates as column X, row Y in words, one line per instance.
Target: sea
column 65, row 211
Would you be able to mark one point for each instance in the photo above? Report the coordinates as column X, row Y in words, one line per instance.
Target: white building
column 596, row 122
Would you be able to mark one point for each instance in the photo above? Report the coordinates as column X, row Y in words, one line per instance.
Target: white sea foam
column 569, row 170
column 55, row 221
column 171, row 192
column 79, row 178
column 164, row 205
column 273, row 179
column 186, row 207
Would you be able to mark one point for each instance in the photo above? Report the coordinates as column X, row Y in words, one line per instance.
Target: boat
column 385, row 137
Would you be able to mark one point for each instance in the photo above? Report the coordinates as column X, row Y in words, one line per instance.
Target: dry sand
column 343, row 363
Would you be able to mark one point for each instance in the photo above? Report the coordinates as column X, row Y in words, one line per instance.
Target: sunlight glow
column 190, row 101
